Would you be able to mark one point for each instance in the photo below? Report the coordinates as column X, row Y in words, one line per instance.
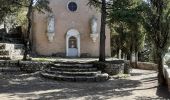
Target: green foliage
column 7, row 7
column 157, row 24
column 42, row 5
column 126, row 18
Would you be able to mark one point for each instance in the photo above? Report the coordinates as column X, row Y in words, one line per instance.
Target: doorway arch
column 73, row 43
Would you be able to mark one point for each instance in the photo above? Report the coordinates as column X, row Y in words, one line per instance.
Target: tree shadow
column 133, row 73
column 162, row 93
column 150, row 79
column 35, row 87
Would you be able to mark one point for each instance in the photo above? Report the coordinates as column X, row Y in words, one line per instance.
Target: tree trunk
column 5, row 28
column 161, row 78
column 120, row 53
column 131, row 63
column 102, row 32
column 136, row 59
column 117, row 53
column 26, row 43
column 131, row 54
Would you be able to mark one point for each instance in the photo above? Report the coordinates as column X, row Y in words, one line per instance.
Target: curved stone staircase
column 74, row 72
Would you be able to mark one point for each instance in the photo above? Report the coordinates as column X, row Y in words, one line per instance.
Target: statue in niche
column 51, row 27
column 94, row 25
column 94, row 34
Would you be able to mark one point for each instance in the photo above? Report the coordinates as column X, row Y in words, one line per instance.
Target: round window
column 72, row 6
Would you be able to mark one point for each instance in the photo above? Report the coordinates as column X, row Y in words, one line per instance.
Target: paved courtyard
column 142, row 85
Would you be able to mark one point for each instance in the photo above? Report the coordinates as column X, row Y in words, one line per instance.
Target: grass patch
column 121, row 76
column 44, row 59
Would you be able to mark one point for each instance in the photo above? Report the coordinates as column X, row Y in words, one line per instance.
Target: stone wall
column 113, row 67
column 146, row 66
column 26, row 66
column 31, row 66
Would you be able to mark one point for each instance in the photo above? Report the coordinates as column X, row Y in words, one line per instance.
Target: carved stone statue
column 51, row 27
column 94, row 34
column 94, row 25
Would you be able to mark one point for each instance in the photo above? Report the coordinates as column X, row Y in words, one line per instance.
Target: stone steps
column 6, row 46
column 10, row 69
column 4, row 52
column 5, row 57
column 18, row 52
column 2, row 46
column 74, row 72
column 11, row 51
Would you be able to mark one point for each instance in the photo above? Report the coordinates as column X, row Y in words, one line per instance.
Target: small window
column 72, row 6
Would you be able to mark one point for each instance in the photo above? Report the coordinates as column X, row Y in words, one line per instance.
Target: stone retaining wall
column 31, row 66
column 113, row 67
column 27, row 66
column 147, row 66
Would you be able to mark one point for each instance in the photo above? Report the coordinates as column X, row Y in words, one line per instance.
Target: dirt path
column 142, row 85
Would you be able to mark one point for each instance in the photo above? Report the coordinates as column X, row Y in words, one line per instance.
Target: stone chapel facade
column 72, row 29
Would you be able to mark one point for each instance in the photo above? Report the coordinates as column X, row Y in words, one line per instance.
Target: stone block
column 4, row 52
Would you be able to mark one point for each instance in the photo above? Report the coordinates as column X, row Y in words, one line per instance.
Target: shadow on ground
column 35, row 87
column 32, row 86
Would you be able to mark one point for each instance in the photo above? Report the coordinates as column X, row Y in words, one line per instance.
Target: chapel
column 71, row 30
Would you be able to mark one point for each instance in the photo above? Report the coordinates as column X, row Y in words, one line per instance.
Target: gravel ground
column 142, row 85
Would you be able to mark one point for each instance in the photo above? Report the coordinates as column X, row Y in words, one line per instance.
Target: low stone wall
column 166, row 71
column 9, row 63
column 27, row 66
column 147, row 66
column 113, row 67
column 31, row 66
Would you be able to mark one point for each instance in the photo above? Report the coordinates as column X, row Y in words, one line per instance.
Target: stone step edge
column 73, row 69
column 98, row 78
column 78, row 65
column 73, row 73
column 71, row 62
column 9, row 69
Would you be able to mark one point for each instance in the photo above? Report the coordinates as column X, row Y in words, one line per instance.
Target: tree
column 127, row 15
column 102, row 31
column 157, row 24
column 31, row 5
column 7, row 7
column 7, row 10
column 102, row 4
